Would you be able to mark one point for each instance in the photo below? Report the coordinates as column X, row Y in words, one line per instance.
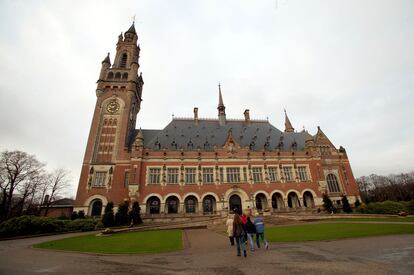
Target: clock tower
column 118, row 92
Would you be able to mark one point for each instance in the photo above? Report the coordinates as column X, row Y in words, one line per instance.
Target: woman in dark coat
column 239, row 233
column 251, row 230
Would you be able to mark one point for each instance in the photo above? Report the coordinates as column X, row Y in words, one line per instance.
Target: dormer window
column 251, row 146
column 157, row 145
column 174, row 144
column 190, row 145
column 123, row 62
column 206, row 145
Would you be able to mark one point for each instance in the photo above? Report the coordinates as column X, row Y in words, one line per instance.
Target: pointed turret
column 131, row 29
column 288, row 125
column 221, row 109
column 107, row 60
column 139, row 139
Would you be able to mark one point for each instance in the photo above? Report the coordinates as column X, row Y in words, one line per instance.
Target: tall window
column 303, row 174
column 233, row 175
column 257, row 174
column 244, row 174
column 172, row 175
column 208, row 175
column 123, row 62
column 100, row 179
column 221, row 175
column 154, row 175
column 126, row 180
column 333, row 185
column 273, row 174
column 287, row 171
column 190, row 175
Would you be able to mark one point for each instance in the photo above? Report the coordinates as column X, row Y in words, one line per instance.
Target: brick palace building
column 197, row 166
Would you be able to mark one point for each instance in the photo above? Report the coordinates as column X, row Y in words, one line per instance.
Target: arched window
column 118, row 75
column 123, row 62
column 190, row 204
column 172, row 205
column 333, row 185
column 110, row 75
column 125, row 76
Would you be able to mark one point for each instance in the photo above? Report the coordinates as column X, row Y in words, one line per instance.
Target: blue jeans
column 240, row 244
column 251, row 243
column 258, row 237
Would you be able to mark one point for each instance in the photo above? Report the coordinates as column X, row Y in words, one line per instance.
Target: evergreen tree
column 345, row 205
column 134, row 214
column 327, row 204
column 121, row 216
column 108, row 217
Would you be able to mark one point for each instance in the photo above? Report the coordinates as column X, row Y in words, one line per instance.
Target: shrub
column 27, row 225
column 108, row 217
column 74, row 215
column 345, row 205
column 99, row 225
column 81, row 214
column 386, row 207
column 121, row 216
column 81, row 225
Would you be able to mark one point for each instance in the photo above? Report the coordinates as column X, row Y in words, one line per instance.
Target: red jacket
column 244, row 219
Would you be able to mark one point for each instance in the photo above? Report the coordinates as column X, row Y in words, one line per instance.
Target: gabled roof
column 185, row 134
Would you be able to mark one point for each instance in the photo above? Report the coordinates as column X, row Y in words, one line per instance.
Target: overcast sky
column 347, row 66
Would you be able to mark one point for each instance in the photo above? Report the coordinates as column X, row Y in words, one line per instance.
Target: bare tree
column 58, row 181
column 16, row 168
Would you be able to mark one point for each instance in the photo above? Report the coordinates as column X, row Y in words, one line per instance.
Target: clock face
column 112, row 107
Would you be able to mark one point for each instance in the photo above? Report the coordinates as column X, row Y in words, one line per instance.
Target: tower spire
column 288, row 125
column 221, row 109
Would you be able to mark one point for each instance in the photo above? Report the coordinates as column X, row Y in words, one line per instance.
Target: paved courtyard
column 209, row 252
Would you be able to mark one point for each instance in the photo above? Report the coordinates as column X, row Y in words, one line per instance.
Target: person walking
column 251, row 230
column 259, row 223
column 239, row 233
column 244, row 218
column 229, row 224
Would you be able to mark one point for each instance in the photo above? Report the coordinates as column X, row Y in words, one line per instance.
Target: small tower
column 221, row 109
column 288, row 126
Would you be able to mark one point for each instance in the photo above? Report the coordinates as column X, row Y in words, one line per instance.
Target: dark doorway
column 172, row 205
column 154, row 205
column 96, row 208
column 209, row 204
column 235, row 204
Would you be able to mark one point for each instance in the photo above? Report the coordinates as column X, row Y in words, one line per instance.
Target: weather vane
column 133, row 19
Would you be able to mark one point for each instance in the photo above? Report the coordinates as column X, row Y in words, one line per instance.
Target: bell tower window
column 123, row 62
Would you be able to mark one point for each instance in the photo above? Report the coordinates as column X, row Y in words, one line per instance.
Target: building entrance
column 235, row 204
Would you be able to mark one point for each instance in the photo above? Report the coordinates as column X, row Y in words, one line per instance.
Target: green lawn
column 332, row 231
column 386, row 219
column 132, row 242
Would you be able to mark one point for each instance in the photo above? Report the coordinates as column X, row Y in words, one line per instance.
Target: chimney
column 196, row 115
column 246, row 116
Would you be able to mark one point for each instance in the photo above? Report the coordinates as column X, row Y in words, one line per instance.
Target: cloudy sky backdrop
column 347, row 66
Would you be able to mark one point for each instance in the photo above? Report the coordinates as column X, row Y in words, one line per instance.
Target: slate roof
column 185, row 134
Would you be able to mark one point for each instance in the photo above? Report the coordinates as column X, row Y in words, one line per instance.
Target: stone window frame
column 276, row 176
column 168, row 175
column 259, row 174
column 233, row 174
column 195, row 174
column 307, row 172
column 100, row 176
column 292, row 173
column 212, row 174
column 149, row 175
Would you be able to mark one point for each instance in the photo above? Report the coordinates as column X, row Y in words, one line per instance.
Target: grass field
column 333, row 231
column 132, row 242
column 387, row 219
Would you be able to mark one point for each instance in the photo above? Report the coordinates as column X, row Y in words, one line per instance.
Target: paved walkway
column 210, row 252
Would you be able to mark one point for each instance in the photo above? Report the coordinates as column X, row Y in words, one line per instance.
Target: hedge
column 31, row 225
column 387, row 207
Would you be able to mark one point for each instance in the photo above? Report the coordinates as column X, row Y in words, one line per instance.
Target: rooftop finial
column 221, row 108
